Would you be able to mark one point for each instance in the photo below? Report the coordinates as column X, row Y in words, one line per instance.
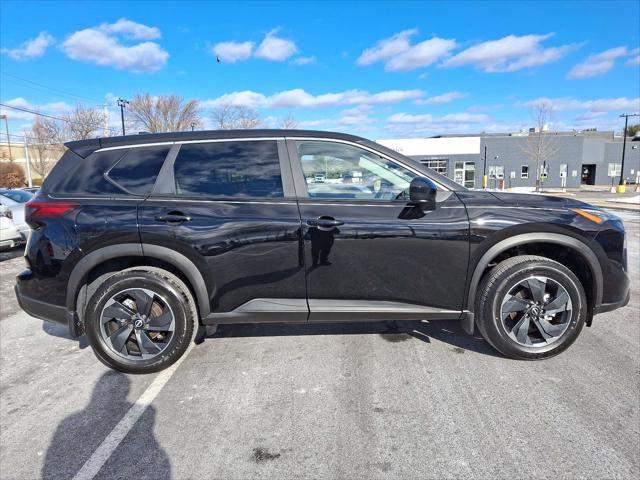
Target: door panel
column 229, row 207
column 244, row 250
column 367, row 245
column 388, row 252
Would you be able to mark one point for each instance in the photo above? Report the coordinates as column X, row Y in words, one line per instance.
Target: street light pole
column 122, row 103
column 624, row 145
column 6, row 126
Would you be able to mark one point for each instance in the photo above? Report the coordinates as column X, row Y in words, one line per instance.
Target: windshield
column 19, row 196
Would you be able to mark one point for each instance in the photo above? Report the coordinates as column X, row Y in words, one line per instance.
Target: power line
column 62, row 92
column 33, row 112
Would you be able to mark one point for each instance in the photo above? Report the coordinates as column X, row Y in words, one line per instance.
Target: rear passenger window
column 229, row 169
column 138, row 169
column 87, row 178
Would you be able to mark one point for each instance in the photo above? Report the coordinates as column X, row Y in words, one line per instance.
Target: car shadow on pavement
column 79, row 435
column 62, row 331
column 447, row 331
column 11, row 253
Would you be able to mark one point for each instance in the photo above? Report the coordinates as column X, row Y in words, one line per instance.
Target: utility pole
column 122, row 103
column 621, row 187
column 26, row 157
column 193, row 126
column 485, row 180
column 6, row 126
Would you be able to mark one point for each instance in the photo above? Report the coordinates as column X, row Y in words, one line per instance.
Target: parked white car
column 14, row 200
column 9, row 234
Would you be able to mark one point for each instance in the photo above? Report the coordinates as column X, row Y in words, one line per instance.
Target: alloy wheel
column 536, row 311
column 137, row 324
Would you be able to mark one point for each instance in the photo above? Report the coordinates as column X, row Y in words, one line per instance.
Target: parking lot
column 374, row 400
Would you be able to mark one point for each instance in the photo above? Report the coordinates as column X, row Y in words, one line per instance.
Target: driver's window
column 340, row 171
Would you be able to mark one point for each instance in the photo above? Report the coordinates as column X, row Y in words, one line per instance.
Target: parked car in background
column 138, row 241
column 9, row 234
column 14, row 200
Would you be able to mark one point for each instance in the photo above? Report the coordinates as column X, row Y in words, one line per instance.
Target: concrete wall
column 572, row 150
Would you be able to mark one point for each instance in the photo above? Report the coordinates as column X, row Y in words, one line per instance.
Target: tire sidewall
column 174, row 298
column 496, row 330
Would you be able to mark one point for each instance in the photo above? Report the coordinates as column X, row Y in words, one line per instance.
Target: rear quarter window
column 87, row 177
column 138, row 169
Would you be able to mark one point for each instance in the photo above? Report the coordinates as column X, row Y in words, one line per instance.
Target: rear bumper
column 608, row 307
column 40, row 309
column 48, row 311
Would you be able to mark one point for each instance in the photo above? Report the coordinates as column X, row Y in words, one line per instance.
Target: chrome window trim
column 184, row 142
column 294, row 138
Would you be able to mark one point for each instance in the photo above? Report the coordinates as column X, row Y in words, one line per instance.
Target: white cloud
column 409, row 125
column 274, row 48
column 299, row 98
column 597, row 64
column 444, row 98
column 131, row 29
column 51, row 108
column 33, row 48
column 387, row 48
column 233, row 51
column 103, row 45
column 398, row 54
column 598, row 105
column 634, row 61
column 430, row 119
column 304, row 60
column 509, row 54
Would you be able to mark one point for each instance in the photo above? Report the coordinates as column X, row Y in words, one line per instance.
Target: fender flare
column 179, row 261
column 580, row 247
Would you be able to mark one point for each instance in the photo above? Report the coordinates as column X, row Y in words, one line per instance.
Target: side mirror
column 422, row 193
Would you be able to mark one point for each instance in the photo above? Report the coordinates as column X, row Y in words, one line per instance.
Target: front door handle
column 326, row 222
column 173, row 217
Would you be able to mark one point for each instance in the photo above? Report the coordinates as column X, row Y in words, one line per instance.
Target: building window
column 439, row 165
column 465, row 174
column 496, row 171
column 614, row 169
column 524, row 171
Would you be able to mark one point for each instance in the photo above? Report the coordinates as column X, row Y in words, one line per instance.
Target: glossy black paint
column 298, row 248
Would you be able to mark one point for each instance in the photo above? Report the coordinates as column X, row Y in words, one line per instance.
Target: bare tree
column 541, row 146
column 164, row 113
column 83, row 123
column 43, row 141
column 289, row 122
column 227, row 117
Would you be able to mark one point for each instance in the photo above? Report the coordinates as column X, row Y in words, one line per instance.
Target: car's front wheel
column 140, row 321
column 530, row 307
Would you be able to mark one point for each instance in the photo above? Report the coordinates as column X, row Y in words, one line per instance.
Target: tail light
column 36, row 209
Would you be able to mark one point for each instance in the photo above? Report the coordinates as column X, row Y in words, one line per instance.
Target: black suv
column 141, row 241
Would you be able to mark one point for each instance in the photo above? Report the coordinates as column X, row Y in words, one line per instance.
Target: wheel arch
column 138, row 254
column 529, row 239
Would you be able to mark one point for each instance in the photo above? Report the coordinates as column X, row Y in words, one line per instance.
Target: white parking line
column 99, row 457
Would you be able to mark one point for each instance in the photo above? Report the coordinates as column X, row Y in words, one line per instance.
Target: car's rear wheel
column 140, row 321
column 530, row 307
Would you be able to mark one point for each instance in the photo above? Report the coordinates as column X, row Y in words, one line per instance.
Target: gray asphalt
column 379, row 400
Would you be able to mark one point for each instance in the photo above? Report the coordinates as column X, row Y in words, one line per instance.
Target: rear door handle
column 173, row 218
column 324, row 222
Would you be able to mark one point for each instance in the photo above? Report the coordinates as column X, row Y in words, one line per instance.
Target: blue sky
column 378, row 69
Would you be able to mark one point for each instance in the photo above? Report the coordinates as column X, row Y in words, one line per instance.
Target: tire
column 511, row 318
column 171, row 320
